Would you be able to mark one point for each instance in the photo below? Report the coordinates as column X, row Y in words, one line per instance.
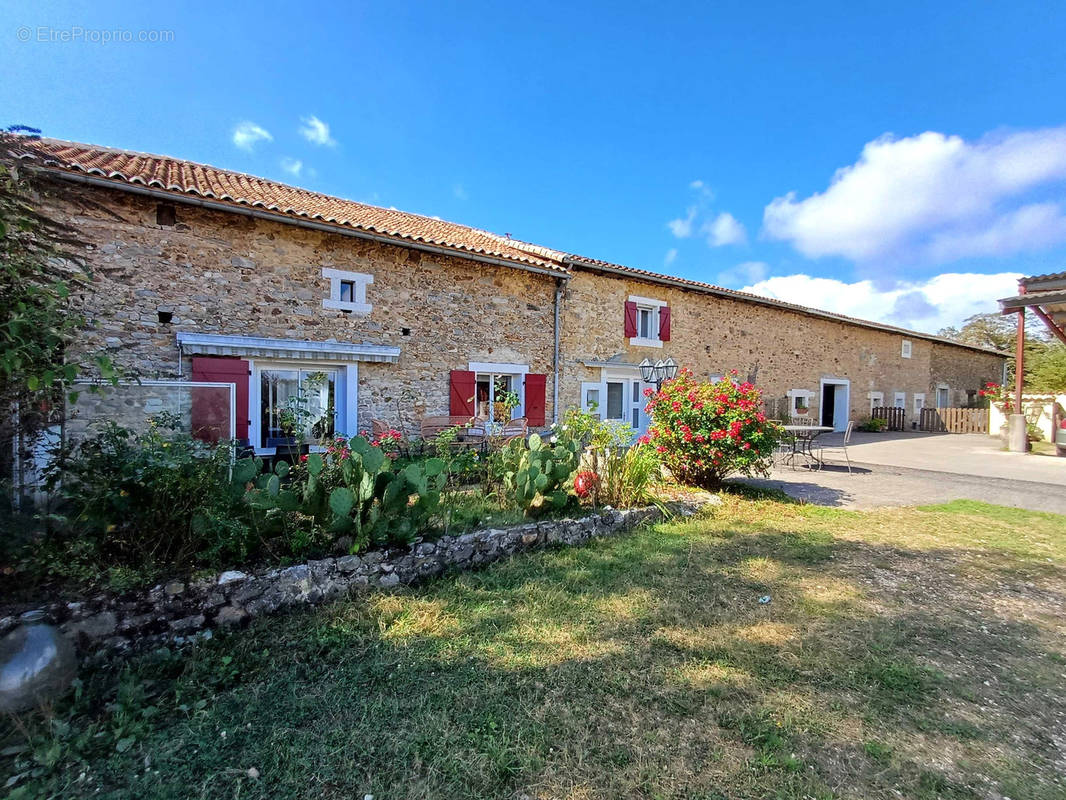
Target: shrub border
column 178, row 612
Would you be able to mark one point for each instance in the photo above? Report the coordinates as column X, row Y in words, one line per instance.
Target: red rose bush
column 706, row 431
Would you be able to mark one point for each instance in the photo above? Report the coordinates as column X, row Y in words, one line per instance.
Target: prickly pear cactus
column 540, row 471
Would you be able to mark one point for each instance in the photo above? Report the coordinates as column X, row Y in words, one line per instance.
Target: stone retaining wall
column 177, row 611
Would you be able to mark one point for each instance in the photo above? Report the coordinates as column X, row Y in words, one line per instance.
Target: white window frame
column 359, row 281
column 943, row 387
column 906, row 348
column 498, row 369
column 876, row 399
column 918, row 403
column 798, row 394
column 346, row 396
column 899, row 400
column 652, row 306
column 629, row 377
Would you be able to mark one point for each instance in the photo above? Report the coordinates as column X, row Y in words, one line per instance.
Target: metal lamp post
column 659, row 372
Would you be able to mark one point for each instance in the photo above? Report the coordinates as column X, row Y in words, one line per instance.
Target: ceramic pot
column 37, row 664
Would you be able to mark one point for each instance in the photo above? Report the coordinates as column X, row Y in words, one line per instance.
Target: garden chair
column 515, row 427
column 842, row 448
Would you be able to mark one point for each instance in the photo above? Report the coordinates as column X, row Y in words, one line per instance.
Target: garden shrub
column 874, row 425
column 625, row 473
column 537, row 472
column 158, row 497
column 705, row 431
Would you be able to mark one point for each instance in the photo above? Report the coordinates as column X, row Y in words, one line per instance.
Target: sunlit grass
column 904, row 652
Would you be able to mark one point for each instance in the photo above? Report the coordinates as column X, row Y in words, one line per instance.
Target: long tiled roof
column 129, row 169
column 234, row 188
column 596, row 264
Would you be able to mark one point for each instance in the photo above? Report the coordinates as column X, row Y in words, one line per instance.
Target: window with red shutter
column 210, row 417
column 535, row 402
column 461, row 393
column 664, row 323
column 630, row 319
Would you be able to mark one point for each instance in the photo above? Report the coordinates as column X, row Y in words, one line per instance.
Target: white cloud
column 247, row 134
column 670, row 257
column 316, row 131
column 682, row 227
column 724, row 229
column 931, row 198
column 293, row 166
column 925, row 305
column 743, row 274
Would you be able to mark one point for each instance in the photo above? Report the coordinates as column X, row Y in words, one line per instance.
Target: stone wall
column 221, row 273
column 777, row 349
column 964, row 373
column 177, row 610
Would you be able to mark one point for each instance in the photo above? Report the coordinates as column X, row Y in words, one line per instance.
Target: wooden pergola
column 1045, row 296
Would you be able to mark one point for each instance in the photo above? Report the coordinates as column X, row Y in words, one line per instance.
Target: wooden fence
column 954, row 420
column 896, row 417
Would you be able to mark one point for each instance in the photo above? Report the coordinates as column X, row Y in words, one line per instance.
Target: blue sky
column 895, row 161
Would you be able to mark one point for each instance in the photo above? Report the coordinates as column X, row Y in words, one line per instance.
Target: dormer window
column 347, row 291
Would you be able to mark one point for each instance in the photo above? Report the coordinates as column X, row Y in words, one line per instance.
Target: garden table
column 803, row 437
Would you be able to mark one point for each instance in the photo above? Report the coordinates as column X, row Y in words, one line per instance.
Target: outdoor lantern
column 669, row 369
column 647, row 371
column 659, row 372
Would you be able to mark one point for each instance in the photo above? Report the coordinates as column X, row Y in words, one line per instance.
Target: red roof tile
column 226, row 187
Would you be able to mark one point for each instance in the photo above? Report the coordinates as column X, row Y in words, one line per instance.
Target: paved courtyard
column 918, row 468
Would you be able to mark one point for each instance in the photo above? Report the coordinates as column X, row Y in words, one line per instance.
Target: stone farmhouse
column 205, row 274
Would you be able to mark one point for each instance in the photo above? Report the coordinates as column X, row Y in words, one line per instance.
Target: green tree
column 999, row 332
column 1048, row 373
column 39, row 269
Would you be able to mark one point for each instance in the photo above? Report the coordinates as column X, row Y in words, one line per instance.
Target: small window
column 614, row 400
column 906, row 349
column 899, row 400
column 644, row 318
column 347, row 291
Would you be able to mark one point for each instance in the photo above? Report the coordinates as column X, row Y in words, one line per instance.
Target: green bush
column 625, row 472
column 873, row 425
column 705, row 431
column 159, row 497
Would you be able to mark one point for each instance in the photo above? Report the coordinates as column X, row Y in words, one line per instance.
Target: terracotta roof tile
column 226, row 187
column 212, row 183
column 595, row 263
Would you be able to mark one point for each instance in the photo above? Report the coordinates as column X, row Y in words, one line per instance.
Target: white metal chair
column 843, row 448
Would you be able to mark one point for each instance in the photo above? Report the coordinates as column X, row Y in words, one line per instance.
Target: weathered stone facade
column 778, row 349
column 224, row 273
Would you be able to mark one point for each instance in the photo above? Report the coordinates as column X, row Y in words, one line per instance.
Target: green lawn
column 911, row 653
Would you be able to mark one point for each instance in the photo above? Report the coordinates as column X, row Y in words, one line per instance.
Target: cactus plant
column 361, row 496
column 538, row 471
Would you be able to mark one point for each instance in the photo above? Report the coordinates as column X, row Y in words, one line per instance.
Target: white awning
column 217, row 345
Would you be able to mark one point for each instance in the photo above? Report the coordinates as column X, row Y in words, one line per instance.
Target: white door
column 899, row 400
column 919, row 403
column 943, row 397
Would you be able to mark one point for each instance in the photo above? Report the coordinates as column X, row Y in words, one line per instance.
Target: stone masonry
column 777, row 349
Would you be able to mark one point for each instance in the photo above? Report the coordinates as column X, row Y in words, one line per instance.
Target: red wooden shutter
column 664, row 323
column 210, row 407
column 631, row 319
column 461, row 396
column 535, row 399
